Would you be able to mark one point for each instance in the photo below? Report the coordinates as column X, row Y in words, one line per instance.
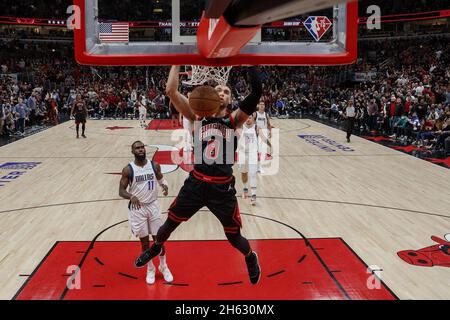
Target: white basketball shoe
column 151, row 270
column 168, row 277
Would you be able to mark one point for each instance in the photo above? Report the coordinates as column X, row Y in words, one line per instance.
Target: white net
column 201, row 75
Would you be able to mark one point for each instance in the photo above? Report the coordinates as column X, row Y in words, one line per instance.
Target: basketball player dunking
column 79, row 111
column 211, row 183
column 144, row 214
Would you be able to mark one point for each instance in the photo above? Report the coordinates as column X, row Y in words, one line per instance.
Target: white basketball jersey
column 187, row 125
column 261, row 120
column 249, row 139
column 143, row 184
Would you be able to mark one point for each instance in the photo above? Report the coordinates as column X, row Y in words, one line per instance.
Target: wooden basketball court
column 333, row 216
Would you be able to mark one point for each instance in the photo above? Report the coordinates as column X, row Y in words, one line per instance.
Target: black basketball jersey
column 79, row 108
column 215, row 145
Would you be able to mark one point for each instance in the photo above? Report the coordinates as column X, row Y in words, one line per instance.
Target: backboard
column 178, row 32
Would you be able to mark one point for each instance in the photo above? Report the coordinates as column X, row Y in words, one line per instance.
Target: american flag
column 114, row 32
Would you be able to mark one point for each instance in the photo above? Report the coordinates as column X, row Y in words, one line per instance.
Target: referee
column 350, row 114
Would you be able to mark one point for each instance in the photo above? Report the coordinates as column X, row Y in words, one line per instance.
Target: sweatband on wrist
column 162, row 182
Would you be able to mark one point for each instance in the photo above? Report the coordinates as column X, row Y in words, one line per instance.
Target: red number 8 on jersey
column 211, row 150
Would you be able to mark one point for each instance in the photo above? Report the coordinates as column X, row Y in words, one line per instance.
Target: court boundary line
column 34, row 134
column 308, row 244
column 367, row 266
column 260, row 197
column 212, row 240
column 134, row 241
column 161, row 132
column 35, row 270
column 380, row 144
column 281, row 156
column 85, row 255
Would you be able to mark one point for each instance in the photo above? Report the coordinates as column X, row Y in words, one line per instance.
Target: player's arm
column 124, row 181
column 161, row 181
column 248, row 106
column 269, row 125
column 180, row 102
column 261, row 134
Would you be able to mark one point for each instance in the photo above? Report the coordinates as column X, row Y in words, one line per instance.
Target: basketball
column 204, row 101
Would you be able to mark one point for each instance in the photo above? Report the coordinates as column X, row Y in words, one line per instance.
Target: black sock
column 239, row 242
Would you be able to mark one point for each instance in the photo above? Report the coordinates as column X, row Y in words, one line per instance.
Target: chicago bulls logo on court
column 436, row 255
column 170, row 158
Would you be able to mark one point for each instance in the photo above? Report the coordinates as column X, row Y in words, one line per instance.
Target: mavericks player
column 248, row 157
column 141, row 177
column 264, row 132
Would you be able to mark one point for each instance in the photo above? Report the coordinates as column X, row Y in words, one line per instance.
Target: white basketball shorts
column 145, row 221
column 248, row 163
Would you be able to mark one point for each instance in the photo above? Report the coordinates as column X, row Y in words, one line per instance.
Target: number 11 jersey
column 143, row 182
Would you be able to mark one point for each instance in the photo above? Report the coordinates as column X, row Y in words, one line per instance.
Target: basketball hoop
column 230, row 41
column 201, row 75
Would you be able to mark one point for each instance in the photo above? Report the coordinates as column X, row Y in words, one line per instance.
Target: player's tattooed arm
column 180, row 102
column 248, row 106
column 161, row 181
column 124, row 181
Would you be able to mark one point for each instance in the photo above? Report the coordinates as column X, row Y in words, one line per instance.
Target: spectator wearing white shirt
column 419, row 89
column 350, row 114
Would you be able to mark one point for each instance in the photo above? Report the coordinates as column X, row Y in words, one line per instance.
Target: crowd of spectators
column 22, row 105
column 161, row 10
column 41, row 81
column 389, row 7
column 407, row 96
